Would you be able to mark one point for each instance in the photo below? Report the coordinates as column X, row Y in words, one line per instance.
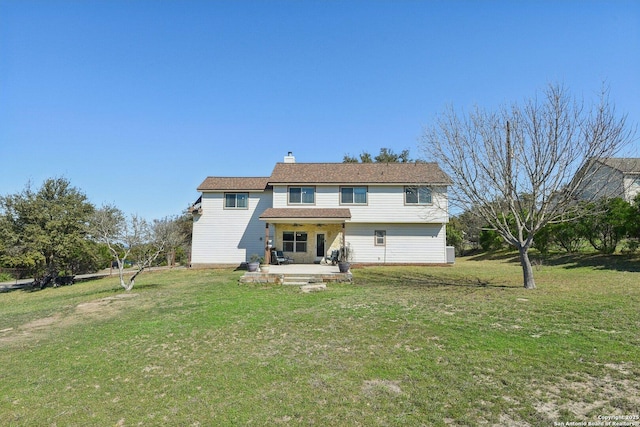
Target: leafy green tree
column 544, row 240
column 567, row 235
column 386, row 155
column 44, row 230
column 455, row 235
column 607, row 224
column 349, row 159
column 471, row 227
column 490, row 240
column 634, row 219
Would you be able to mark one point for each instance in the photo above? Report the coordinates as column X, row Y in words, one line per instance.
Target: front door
column 320, row 245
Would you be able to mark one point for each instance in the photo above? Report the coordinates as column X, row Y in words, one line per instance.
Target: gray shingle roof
column 625, row 165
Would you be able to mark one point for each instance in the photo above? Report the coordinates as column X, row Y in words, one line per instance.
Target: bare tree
column 172, row 234
column 523, row 166
column 126, row 238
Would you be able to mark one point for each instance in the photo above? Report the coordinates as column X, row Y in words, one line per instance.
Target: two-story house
column 612, row 177
column 383, row 212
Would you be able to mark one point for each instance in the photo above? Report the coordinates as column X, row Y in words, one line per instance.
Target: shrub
column 490, row 240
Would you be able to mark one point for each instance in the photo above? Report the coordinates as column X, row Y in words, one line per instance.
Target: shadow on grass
column 628, row 263
column 434, row 282
column 618, row 262
column 508, row 256
column 147, row 286
column 425, row 281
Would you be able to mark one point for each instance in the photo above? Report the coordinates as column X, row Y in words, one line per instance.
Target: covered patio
column 306, row 235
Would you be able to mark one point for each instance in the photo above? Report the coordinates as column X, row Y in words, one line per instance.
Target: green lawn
column 462, row 345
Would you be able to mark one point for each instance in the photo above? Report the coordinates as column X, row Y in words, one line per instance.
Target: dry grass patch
column 102, row 308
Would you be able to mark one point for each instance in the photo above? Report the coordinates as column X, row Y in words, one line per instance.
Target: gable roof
column 218, row 183
column 333, row 173
column 358, row 173
column 625, row 165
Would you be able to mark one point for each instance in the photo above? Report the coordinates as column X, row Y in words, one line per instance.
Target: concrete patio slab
column 298, row 275
column 303, row 269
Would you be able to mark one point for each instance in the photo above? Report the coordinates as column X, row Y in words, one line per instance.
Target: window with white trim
column 294, row 241
column 353, row 195
column 302, row 195
column 417, row 195
column 380, row 237
column 236, row 200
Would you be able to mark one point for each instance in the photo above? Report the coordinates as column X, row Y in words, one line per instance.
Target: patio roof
column 305, row 215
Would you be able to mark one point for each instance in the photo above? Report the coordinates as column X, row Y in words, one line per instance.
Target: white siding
column 384, row 204
column 414, row 233
column 280, row 196
column 405, row 243
column 228, row 236
column 632, row 187
column 605, row 182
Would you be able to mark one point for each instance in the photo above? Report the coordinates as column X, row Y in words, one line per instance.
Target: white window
column 353, row 195
column 294, row 241
column 236, row 200
column 380, row 237
column 302, row 195
column 417, row 195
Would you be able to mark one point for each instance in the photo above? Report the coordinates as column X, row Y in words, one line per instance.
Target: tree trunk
column 121, row 274
column 527, row 270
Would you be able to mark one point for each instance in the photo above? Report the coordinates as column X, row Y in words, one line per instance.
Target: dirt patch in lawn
column 373, row 387
column 615, row 393
column 102, row 308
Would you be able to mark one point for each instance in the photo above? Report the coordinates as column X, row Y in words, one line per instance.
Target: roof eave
column 296, row 220
column 231, row 190
column 388, row 184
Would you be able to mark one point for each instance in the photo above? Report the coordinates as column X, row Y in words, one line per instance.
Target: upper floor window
column 353, row 195
column 236, row 200
column 304, row 195
column 417, row 195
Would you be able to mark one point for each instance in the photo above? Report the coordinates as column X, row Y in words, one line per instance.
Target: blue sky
column 136, row 102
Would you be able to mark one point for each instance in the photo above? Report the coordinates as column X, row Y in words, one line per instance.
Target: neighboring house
column 383, row 212
column 612, row 177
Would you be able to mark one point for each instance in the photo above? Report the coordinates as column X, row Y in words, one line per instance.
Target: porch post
column 343, row 236
column 267, row 254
